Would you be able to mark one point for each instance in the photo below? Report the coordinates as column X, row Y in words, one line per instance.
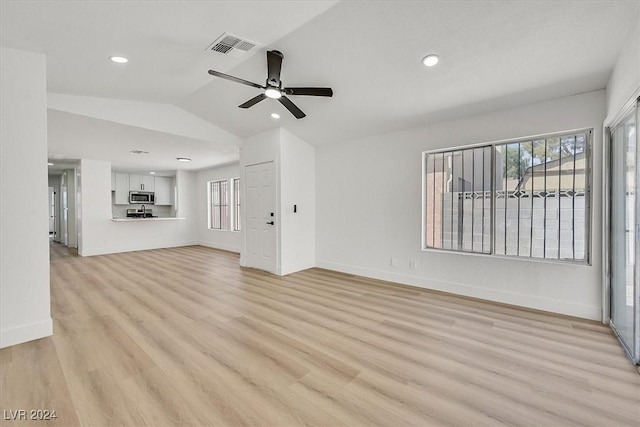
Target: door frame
column 610, row 122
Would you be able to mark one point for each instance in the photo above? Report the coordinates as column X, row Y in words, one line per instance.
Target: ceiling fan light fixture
column 430, row 60
column 273, row 93
column 119, row 59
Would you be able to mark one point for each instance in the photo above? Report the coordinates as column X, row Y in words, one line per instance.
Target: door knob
column 270, row 222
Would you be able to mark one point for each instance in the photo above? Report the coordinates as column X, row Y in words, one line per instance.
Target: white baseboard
column 24, row 333
column 227, row 248
column 289, row 269
column 133, row 248
column 523, row 300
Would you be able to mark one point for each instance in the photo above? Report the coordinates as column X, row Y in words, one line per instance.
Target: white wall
column 160, row 117
column 297, row 177
column 24, row 243
column 295, row 185
column 368, row 195
column 624, row 81
column 100, row 235
column 221, row 239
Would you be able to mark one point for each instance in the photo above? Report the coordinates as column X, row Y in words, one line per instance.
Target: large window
column 219, row 205
column 526, row 198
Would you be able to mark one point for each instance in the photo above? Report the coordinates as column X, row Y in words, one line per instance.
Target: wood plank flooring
column 183, row 336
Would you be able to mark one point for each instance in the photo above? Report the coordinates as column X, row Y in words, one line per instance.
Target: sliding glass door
column 625, row 234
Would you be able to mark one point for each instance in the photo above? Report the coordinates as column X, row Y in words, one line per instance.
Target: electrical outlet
column 413, row 265
column 394, row 261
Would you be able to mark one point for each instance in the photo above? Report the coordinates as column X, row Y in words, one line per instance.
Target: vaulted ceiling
column 493, row 55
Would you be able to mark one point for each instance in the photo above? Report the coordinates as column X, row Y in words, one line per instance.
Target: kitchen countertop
column 145, row 219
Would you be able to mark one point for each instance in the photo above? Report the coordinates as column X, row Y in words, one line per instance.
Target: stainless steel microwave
column 141, row 197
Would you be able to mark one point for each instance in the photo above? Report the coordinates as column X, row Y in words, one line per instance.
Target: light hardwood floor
column 184, row 336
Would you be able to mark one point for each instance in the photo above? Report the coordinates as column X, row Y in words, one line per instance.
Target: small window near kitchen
column 219, row 205
column 236, row 204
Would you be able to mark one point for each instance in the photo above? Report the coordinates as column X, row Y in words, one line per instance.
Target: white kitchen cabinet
column 135, row 182
column 163, row 190
column 121, row 188
column 141, row 183
column 113, row 181
column 148, row 183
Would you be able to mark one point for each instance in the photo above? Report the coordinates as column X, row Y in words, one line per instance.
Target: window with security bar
column 236, row 204
column 525, row 198
column 219, row 205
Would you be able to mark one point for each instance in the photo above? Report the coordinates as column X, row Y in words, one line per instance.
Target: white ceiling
column 493, row 55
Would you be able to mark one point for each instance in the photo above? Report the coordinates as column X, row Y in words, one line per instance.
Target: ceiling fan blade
column 235, row 79
column 253, row 101
column 292, row 107
column 310, row 91
column 274, row 65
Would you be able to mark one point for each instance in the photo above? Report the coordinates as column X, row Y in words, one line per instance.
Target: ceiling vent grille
column 231, row 45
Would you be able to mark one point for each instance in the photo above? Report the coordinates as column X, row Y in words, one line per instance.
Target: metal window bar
column 544, row 222
column 483, row 199
column 433, row 225
column 453, row 165
column 506, row 193
column 573, row 200
column 219, row 205
column 473, row 200
column 442, row 206
column 236, row 204
column 559, row 196
column 445, row 222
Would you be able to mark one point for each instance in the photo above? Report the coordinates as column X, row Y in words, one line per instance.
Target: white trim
column 522, row 300
column 227, row 248
column 613, row 119
column 134, row 248
column 294, row 268
column 24, row 333
column 610, row 121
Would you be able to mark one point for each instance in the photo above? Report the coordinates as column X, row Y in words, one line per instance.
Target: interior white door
column 260, row 211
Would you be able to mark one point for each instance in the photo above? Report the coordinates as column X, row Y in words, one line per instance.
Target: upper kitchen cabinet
column 163, row 190
column 141, row 183
column 121, row 188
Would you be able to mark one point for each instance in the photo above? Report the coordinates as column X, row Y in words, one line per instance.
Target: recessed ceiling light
column 152, row 173
column 430, row 60
column 183, row 159
column 119, row 59
column 272, row 93
column 275, row 115
column 49, row 164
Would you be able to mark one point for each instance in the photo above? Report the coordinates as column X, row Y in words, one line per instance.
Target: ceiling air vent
column 231, row 45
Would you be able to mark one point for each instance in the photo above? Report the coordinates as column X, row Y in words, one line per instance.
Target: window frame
column 589, row 140
column 235, row 205
column 224, row 225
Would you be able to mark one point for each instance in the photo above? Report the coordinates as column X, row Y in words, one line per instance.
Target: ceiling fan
column 273, row 87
